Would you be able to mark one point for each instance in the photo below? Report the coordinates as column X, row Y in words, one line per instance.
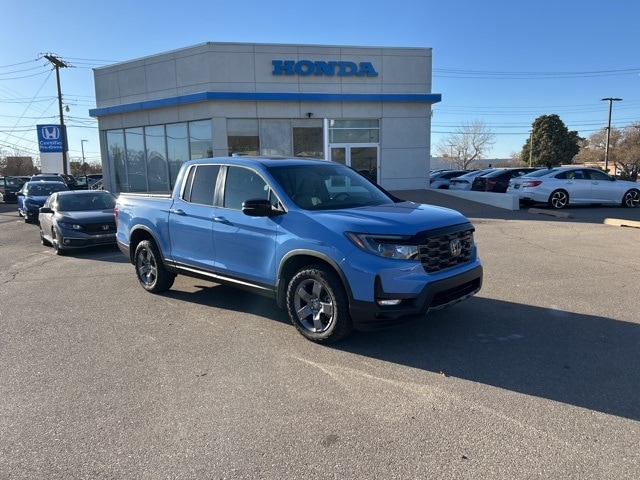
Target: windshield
column 44, row 190
column 84, row 202
column 327, row 187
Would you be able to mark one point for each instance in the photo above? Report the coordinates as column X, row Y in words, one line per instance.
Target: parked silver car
column 562, row 186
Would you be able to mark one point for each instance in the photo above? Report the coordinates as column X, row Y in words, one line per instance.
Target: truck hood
column 405, row 218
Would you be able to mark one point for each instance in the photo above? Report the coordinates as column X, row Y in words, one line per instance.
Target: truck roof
column 270, row 161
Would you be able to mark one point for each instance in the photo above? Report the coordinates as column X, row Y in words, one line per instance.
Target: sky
column 500, row 63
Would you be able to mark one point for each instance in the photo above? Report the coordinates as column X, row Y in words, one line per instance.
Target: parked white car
column 463, row 182
column 562, row 186
column 440, row 179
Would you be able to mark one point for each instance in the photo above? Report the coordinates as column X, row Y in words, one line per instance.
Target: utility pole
column 606, row 147
column 58, row 64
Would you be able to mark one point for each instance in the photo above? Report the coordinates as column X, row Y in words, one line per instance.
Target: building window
column 177, row 149
column 149, row 158
column 136, row 162
column 242, row 136
column 308, row 142
column 157, row 168
column 200, row 145
column 116, row 159
column 295, row 137
column 354, row 131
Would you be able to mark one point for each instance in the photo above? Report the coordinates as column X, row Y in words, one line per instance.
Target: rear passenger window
column 200, row 186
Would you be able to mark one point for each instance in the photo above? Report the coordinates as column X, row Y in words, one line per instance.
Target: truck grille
column 444, row 251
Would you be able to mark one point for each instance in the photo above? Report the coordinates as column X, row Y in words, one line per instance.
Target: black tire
column 151, row 272
column 55, row 243
column 558, row 199
column 317, row 304
column 631, row 199
column 43, row 240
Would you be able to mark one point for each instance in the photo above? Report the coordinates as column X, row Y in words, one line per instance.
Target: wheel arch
column 294, row 261
column 137, row 235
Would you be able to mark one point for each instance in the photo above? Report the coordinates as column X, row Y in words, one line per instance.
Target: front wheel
column 317, row 304
column 55, row 242
column 631, row 198
column 151, row 272
column 558, row 199
column 43, row 240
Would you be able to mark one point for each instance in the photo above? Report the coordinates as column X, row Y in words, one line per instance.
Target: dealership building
column 366, row 107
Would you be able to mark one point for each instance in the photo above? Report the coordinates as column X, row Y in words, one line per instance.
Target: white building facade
column 366, row 107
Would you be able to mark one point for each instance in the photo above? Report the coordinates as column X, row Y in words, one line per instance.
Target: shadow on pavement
column 582, row 360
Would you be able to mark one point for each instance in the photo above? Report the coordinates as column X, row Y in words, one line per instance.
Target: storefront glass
column 149, row 158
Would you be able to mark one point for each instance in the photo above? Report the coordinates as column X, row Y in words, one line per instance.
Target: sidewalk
column 467, row 207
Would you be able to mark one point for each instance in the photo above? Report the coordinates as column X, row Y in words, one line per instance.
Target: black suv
column 498, row 180
column 9, row 186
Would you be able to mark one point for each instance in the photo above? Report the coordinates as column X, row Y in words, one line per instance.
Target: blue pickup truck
column 331, row 247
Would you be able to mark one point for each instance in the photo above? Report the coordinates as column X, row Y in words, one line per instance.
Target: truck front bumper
column 435, row 295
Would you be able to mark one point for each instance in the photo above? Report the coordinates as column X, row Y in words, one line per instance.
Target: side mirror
column 258, row 207
column 45, row 210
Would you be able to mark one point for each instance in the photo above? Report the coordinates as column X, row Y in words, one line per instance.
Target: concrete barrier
column 500, row 200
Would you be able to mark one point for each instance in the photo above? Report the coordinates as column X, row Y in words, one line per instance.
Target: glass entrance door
column 361, row 157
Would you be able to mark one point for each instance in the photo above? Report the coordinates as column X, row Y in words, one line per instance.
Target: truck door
column 191, row 219
column 244, row 245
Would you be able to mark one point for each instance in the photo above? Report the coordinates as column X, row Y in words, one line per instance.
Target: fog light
column 384, row 303
column 66, row 241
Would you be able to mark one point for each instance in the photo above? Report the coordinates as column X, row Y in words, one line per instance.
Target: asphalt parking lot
column 536, row 376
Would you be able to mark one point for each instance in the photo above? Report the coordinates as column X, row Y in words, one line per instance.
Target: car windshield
column 45, row 178
column 85, row 202
column 14, row 182
column 37, row 190
column 328, row 187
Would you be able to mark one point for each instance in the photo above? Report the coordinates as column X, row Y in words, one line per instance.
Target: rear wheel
column 631, row 198
column 558, row 199
column 317, row 304
column 151, row 272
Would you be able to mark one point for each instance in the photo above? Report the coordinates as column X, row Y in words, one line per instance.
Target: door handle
column 177, row 211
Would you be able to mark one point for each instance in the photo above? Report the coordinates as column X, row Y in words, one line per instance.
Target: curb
column 551, row 213
column 616, row 222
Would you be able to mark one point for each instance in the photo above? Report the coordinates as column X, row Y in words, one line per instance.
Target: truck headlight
column 388, row 246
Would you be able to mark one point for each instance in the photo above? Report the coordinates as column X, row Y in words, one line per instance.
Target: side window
column 201, row 184
column 243, row 184
column 598, row 175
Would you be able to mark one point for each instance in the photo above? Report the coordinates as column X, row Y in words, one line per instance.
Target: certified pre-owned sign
column 49, row 138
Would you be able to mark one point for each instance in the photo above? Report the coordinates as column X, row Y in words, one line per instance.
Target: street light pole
column 82, row 147
column 530, row 147
column 606, row 146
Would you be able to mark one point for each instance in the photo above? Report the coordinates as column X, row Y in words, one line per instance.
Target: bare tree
column 470, row 142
